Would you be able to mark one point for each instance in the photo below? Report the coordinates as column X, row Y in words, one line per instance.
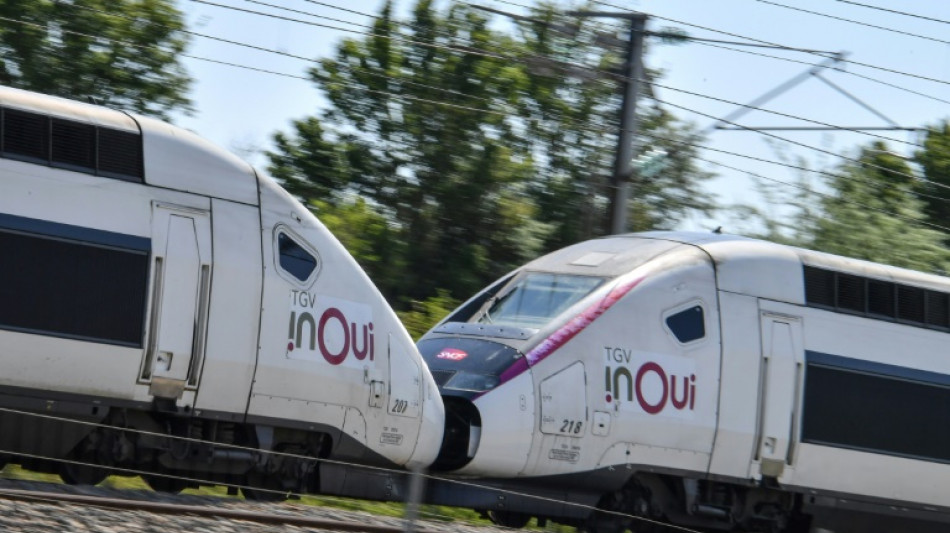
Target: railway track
column 28, row 507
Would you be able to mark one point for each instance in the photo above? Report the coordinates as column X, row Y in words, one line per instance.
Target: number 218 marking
column 571, row 426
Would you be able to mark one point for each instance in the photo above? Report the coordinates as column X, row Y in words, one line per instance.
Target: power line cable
column 783, row 47
column 824, row 173
column 805, row 145
column 469, row 50
column 466, row 50
column 851, row 21
column 285, row 54
column 733, row 43
column 340, row 8
column 773, row 112
column 301, row 12
column 845, row 72
column 581, row 126
column 237, row 43
column 830, row 197
column 498, row 113
column 896, row 12
column 712, row 43
column 267, row 71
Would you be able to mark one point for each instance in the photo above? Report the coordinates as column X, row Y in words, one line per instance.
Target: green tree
column 429, row 152
column 368, row 236
column 572, row 109
column 478, row 155
column 934, row 160
column 124, row 53
column 424, row 314
column 873, row 213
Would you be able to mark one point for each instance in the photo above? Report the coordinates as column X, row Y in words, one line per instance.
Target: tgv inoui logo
column 337, row 331
column 654, row 384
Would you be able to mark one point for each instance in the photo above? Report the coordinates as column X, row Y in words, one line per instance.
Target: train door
column 181, row 283
column 779, row 396
column 564, row 419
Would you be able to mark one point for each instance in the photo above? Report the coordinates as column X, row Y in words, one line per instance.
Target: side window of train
column 686, row 323
column 297, row 263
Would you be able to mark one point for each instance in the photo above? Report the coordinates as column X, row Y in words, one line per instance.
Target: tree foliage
column 422, row 315
column 572, row 114
column 123, row 53
column 934, row 159
column 477, row 159
column 872, row 211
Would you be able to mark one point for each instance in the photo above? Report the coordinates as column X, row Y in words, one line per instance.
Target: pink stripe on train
column 568, row 331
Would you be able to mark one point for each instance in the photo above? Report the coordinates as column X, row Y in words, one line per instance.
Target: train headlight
column 468, row 381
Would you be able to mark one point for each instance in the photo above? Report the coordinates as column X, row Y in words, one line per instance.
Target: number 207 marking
column 400, row 406
column 571, row 426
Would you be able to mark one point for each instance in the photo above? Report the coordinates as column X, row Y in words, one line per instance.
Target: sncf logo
column 337, row 331
column 654, row 384
column 452, row 354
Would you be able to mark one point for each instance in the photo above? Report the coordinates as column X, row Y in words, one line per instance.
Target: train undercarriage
column 171, row 451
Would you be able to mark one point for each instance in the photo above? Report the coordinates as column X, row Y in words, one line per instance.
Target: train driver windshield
column 537, row 297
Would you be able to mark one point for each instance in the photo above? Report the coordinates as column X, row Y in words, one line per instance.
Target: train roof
column 744, row 265
column 138, row 148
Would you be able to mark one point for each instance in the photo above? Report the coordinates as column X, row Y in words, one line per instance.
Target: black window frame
column 58, row 298
column 875, row 407
column 288, row 272
column 676, row 328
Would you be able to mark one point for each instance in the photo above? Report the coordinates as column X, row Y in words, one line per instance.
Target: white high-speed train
column 153, row 282
column 703, row 380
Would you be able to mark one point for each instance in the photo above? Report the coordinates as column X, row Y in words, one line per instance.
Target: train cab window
column 687, row 325
column 294, row 259
column 538, row 297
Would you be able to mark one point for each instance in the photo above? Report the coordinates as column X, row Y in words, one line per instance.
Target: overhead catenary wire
column 451, row 105
column 465, row 50
column 500, row 113
column 767, row 44
column 846, row 72
column 469, row 50
column 282, row 53
column 483, row 53
column 301, row 12
column 896, row 12
column 808, row 146
column 828, row 196
column 852, row 21
column 507, row 114
column 267, row 71
column 783, row 47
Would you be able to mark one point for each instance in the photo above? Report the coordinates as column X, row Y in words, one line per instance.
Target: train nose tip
column 431, row 431
column 463, row 428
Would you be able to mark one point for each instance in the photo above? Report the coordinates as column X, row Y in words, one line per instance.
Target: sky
column 241, row 109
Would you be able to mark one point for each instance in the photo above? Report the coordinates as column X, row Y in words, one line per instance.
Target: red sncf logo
column 452, row 354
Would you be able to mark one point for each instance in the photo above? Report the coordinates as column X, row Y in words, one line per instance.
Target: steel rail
column 197, row 510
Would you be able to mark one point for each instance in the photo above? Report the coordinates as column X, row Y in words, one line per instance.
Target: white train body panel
column 733, row 366
column 211, row 255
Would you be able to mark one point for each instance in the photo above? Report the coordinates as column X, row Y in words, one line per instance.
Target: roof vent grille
column 98, row 150
column 25, row 136
column 878, row 299
column 73, row 145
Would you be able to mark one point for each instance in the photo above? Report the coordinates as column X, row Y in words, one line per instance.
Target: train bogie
column 153, row 282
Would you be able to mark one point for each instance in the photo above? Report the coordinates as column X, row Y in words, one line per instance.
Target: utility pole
column 632, row 74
